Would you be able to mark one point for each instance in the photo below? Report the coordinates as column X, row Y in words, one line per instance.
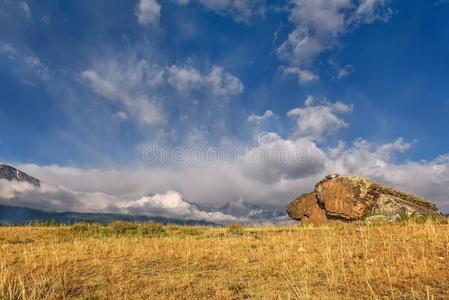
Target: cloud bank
column 60, row 198
column 269, row 174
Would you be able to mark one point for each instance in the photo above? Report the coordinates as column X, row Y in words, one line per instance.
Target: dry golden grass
column 403, row 261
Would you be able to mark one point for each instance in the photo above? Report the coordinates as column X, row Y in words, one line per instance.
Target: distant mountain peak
column 12, row 174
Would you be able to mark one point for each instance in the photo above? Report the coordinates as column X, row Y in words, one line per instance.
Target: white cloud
column 239, row 10
column 51, row 197
column 315, row 122
column 123, row 83
column 345, row 71
column 304, row 76
column 26, row 9
column 223, row 83
column 171, row 205
column 278, row 159
column 309, row 100
column 29, row 60
column 8, row 50
column 217, row 82
column 258, row 119
column 120, row 116
column 318, row 26
column 148, row 12
column 369, row 11
column 149, row 93
column 184, row 79
column 37, row 66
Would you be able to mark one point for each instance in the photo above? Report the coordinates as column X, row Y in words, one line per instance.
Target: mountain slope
column 12, row 174
column 13, row 215
column 18, row 215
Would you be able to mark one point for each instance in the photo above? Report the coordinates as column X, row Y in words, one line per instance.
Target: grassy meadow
column 129, row 261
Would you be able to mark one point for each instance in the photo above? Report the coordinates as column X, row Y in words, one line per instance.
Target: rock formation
column 305, row 208
column 353, row 198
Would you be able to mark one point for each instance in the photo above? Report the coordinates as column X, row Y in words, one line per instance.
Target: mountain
column 13, row 215
column 12, row 174
column 252, row 212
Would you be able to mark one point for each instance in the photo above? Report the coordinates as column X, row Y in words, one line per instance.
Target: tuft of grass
column 21, row 241
column 235, row 229
column 120, row 228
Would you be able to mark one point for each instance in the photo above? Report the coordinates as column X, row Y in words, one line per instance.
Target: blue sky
column 87, row 85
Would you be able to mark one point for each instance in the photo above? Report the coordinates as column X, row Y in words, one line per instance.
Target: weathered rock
column 341, row 198
column 305, row 208
column 352, row 198
column 355, row 197
column 376, row 219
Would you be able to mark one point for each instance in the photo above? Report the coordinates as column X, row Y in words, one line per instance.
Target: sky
column 146, row 106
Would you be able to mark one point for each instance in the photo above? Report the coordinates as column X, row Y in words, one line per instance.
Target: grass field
column 126, row 261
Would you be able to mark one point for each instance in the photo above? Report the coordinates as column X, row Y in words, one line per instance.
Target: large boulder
column 353, row 197
column 305, row 208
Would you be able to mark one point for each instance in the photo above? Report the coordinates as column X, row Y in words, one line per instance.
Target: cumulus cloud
column 217, row 81
column 122, row 83
column 223, row 83
column 148, row 12
column 316, row 122
column 279, row 159
column 258, row 119
column 318, row 26
column 304, row 76
column 184, row 79
column 120, row 116
column 239, row 10
column 171, row 205
column 50, row 197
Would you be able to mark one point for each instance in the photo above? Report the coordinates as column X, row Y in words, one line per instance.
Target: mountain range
column 15, row 215
column 10, row 214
